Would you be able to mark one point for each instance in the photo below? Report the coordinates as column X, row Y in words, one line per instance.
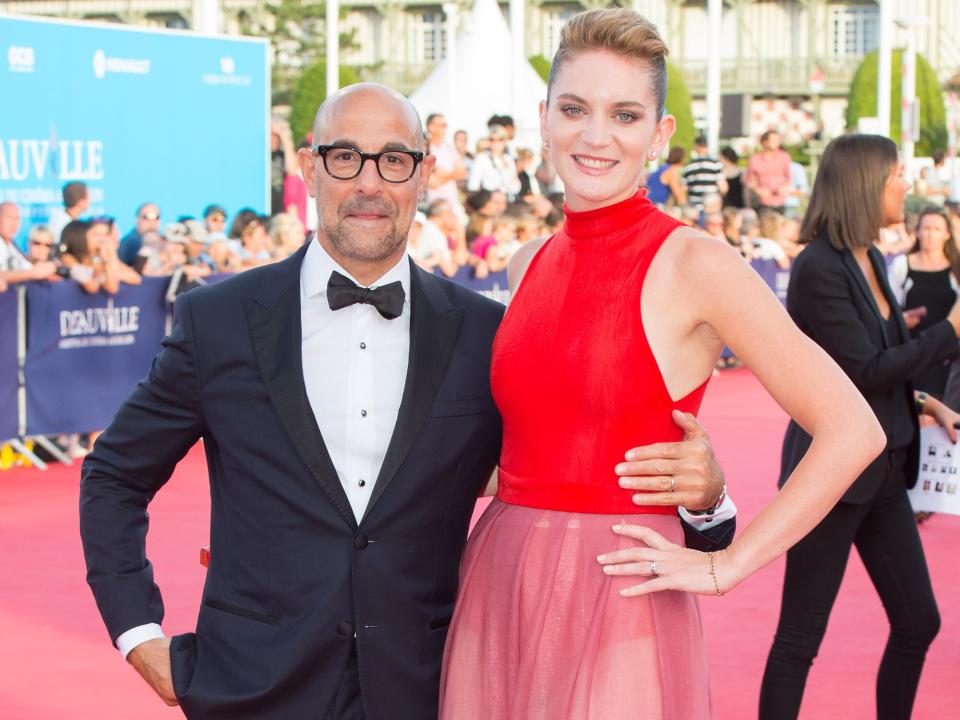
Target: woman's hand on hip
column 669, row 566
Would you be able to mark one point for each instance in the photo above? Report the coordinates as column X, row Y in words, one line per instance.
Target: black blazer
column 293, row 577
column 830, row 300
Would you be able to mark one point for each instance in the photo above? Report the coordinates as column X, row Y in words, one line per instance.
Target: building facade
column 788, row 62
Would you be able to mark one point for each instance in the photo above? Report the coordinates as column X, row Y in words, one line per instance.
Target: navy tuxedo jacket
column 293, row 577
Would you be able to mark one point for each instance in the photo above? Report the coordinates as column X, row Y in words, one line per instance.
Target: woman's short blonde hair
column 622, row 32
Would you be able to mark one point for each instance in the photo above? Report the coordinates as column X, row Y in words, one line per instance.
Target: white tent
column 480, row 82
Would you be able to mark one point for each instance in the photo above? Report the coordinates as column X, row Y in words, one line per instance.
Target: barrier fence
column 83, row 354
column 9, row 365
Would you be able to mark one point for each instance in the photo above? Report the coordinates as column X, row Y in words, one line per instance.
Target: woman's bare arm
column 728, row 300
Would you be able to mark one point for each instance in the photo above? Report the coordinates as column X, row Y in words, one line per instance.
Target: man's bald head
column 379, row 98
column 9, row 221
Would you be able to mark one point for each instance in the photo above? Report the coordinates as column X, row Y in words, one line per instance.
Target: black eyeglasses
column 345, row 163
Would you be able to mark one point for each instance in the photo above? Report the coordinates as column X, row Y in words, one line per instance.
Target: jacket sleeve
column 822, row 304
column 154, row 428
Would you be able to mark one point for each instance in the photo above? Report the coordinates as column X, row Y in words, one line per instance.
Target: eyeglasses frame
column 322, row 151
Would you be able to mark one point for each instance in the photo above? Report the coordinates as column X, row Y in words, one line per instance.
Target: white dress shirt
column 354, row 369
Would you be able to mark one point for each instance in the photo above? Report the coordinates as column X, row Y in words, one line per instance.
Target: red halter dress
column 540, row 632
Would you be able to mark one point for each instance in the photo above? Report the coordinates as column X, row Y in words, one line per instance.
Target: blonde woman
column 288, row 235
column 613, row 331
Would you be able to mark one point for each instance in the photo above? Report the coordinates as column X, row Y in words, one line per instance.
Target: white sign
column 938, row 482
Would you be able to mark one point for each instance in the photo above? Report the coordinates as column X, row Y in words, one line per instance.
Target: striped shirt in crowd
column 701, row 175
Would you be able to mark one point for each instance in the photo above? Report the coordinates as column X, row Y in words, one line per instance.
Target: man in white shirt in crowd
column 14, row 266
column 76, row 200
column 450, row 167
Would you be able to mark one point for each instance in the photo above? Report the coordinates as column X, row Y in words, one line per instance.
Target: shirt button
column 363, row 346
column 362, row 482
column 363, row 413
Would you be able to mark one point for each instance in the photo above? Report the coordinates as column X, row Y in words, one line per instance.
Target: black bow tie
column 343, row 292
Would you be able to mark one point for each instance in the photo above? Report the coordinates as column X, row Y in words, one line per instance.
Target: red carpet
column 57, row 663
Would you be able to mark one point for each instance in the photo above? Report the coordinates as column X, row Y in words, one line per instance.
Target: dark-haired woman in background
column 92, row 260
column 839, row 296
column 734, row 175
column 925, row 283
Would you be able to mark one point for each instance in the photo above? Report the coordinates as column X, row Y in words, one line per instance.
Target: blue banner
column 85, row 353
column 8, row 365
column 139, row 115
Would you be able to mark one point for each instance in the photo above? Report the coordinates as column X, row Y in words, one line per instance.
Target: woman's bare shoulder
column 698, row 251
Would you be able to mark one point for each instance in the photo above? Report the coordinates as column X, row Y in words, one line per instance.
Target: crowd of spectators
column 484, row 200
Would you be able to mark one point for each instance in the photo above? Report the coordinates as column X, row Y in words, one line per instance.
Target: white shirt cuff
column 724, row 512
column 137, row 636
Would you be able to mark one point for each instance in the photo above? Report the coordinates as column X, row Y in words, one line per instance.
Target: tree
column 678, row 101
column 297, row 37
column 542, row 66
column 679, row 105
column 309, row 92
column 863, row 101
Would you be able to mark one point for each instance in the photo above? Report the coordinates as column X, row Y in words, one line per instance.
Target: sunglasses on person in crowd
column 345, row 163
column 150, row 216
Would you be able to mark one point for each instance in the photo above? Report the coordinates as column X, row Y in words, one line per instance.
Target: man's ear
column 307, row 160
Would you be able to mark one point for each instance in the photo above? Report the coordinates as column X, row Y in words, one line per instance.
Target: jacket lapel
column 861, row 281
column 273, row 315
column 434, row 324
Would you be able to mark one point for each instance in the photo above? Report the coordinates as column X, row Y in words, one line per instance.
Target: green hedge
column 309, row 92
column 863, row 101
column 678, row 101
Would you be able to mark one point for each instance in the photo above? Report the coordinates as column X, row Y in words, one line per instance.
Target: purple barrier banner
column 494, row 285
column 85, row 353
column 774, row 276
column 8, row 365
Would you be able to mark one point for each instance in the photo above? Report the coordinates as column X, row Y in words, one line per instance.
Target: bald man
column 344, row 402
column 14, row 265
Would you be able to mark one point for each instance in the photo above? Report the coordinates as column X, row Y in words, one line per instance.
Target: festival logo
column 21, row 59
column 108, row 326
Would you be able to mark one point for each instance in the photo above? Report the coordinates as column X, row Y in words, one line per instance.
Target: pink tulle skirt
column 541, row 633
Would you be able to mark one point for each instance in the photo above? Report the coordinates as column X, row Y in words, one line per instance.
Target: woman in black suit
column 839, row 296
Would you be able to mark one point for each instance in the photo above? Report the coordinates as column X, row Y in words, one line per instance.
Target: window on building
column 854, row 30
column 553, row 22
column 428, row 38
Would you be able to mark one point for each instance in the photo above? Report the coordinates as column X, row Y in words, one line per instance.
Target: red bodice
column 573, row 375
